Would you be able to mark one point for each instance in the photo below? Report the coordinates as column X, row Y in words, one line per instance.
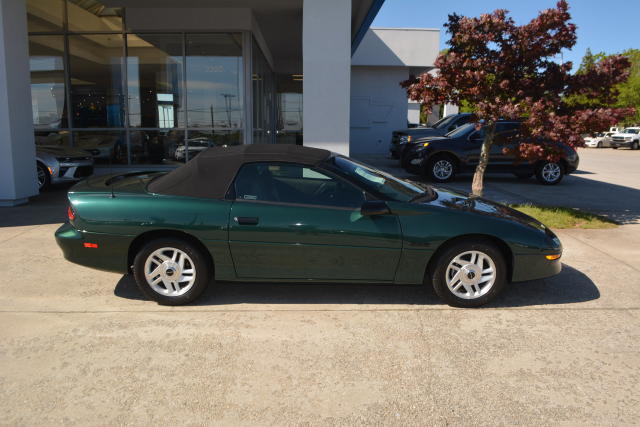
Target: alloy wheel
column 470, row 275
column 170, row 272
column 42, row 177
column 442, row 169
column 551, row 172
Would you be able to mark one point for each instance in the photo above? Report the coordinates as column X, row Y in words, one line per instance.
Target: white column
column 450, row 109
column 326, row 63
column 17, row 149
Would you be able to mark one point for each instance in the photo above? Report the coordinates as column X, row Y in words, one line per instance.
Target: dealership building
column 136, row 82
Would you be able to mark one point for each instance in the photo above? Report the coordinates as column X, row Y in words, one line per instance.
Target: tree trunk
column 477, row 187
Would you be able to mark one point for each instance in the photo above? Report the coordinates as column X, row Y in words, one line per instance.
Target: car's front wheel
column 441, row 169
column 44, row 179
column 635, row 146
column 171, row 271
column 549, row 173
column 469, row 273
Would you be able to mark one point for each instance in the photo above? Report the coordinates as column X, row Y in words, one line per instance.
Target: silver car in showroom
column 58, row 164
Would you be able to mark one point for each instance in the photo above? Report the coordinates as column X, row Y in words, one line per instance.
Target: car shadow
column 570, row 286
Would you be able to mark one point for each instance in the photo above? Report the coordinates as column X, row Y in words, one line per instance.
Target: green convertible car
column 287, row 213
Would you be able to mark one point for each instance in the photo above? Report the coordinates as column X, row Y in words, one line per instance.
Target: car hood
column 61, row 151
column 452, row 199
column 433, row 139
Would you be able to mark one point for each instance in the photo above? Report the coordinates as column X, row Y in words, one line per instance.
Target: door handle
column 246, row 220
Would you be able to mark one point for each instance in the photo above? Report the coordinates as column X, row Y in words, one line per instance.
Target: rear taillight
column 71, row 214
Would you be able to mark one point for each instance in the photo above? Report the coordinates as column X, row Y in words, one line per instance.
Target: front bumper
column 71, row 172
column 618, row 144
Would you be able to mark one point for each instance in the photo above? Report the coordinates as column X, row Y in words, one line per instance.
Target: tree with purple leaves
column 510, row 72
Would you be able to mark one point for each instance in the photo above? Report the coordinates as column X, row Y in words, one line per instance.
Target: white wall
column 17, row 148
column 393, row 47
column 326, row 63
column 378, row 107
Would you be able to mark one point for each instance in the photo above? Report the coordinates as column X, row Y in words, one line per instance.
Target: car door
column 290, row 221
column 498, row 159
column 504, row 147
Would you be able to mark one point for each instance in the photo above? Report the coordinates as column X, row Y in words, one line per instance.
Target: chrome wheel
column 470, row 275
column 170, row 272
column 551, row 172
column 442, row 169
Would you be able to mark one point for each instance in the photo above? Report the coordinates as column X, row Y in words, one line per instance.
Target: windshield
column 443, row 123
column 461, row 131
column 629, row 130
column 376, row 181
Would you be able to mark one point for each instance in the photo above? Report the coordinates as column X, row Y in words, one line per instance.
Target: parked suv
column 400, row 139
column 441, row 158
column 629, row 137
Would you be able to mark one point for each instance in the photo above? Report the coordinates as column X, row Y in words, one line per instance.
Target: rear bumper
column 111, row 253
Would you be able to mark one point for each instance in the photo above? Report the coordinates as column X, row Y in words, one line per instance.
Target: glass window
column 155, row 146
column 462, row 131
column 45, row 15
column 263, row 87
column 377, row 181
column 105, row 147
column 92, row 15
column 46, row 64
column 214, row 81
column 154, row 80
column 291, row 183
column 52, row 139
column 96, row 80
column 289, row 109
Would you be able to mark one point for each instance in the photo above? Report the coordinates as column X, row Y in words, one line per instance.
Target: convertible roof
column 209, row 175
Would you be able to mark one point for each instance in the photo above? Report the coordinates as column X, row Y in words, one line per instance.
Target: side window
column 506, row 132
column 292, row 183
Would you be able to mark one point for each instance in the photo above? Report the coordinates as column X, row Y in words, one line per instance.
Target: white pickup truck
column 629, row 137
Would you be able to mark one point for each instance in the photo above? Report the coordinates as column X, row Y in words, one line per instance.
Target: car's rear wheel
column 615, row 148
column 44, row 179
column 469, row 273
column 441, row 169
column 550, row 173
column 171, row 271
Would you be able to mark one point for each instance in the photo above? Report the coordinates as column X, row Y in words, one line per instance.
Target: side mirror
column 374, row 207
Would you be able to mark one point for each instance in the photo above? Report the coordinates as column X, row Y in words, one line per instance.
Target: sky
column 608, row 26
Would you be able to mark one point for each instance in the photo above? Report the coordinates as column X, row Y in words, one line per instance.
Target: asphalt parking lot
column 80, row 346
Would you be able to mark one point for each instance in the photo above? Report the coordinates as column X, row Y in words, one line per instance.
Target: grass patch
column 561, row 217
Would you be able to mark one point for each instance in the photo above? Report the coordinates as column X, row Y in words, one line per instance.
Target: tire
column 634, row 146
column 467, row 290
column 43, row 177
column 524, row 175
column 165, row 291
column 615, row 148
column 599, row 145
column 441, row 169
column 549, row 173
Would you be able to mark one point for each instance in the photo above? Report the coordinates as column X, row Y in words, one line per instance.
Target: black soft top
column 210, row 174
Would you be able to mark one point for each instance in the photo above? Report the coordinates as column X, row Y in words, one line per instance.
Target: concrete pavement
column 80, row 346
